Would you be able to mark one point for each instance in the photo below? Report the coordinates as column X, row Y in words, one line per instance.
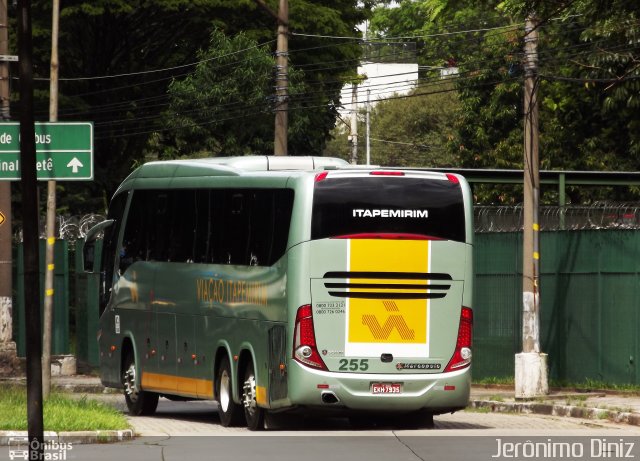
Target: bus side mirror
column 89, row 263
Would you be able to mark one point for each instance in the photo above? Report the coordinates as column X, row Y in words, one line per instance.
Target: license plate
column 386, row 388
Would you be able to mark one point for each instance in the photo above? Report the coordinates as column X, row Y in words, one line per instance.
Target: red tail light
column 462, row 355
column 453, row 179
column 387, row 236
column 305, row 350
column 386, row 173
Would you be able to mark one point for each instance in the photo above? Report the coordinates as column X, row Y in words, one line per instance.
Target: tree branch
column 268, row 9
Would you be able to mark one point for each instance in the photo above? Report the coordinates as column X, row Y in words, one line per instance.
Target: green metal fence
column 60, row 328
column 590, row 293
column 590, row 289
column 87, row 310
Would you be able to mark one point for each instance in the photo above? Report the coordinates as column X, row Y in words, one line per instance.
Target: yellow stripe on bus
column 170, row 384
column 261, row 395
column 393, row 320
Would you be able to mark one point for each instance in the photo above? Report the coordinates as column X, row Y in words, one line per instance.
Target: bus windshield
column 399, row 205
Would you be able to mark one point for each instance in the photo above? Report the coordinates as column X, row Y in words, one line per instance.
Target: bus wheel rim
column 225, row 388
column 130, row 383
column 249, row 395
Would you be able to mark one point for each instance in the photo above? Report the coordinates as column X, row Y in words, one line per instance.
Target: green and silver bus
column 274, row 284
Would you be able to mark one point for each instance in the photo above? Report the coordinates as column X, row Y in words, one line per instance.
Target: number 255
column 354, row 365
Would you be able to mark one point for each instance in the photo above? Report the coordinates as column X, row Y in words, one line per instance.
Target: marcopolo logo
column 388, row 213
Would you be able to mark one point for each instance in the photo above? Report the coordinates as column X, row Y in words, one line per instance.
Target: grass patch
column 478, row 410
column 594, row 385
column 60, row 412
column 508, row 380
column 586, row 385
column 497, row 398
column 578, row 400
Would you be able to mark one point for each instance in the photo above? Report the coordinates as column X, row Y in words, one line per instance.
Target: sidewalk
column 617, row 407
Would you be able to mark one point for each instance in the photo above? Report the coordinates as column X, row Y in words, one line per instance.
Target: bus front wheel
column 252, row 412
column 139, row 402
column 229, row 411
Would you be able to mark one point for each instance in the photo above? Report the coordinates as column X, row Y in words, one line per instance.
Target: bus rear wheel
column 139, row 402
column 229, row 411
column 252, row 412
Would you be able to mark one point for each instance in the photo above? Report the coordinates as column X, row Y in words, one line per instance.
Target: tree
column 226, row 106
column 118, row 58
column 412, row 130
column 588, row 87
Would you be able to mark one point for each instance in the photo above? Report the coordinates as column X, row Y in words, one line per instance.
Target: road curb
column 571, row 411
column 77, row 437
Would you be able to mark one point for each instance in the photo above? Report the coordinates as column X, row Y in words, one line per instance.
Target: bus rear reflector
column 305, row 350
column 462, row 355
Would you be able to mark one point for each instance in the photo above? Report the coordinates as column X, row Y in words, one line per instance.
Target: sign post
column 64, row 151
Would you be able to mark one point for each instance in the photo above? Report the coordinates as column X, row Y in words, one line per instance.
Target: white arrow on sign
column 74, row 164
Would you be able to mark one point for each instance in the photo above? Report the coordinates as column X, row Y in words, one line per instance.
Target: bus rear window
column 388, row 205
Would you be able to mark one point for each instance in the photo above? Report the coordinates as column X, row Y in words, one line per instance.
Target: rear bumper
column 439, row 393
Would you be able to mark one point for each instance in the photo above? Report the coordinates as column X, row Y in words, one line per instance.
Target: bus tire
column 252, row 412
column 229, row 411
column 139, row 402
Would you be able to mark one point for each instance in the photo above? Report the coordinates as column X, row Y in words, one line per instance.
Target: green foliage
column 60, row 413
column 410, row 131
column 414, row 131
column 222, row 107
column 128, row 42
column 589, row 82
column 226, row 106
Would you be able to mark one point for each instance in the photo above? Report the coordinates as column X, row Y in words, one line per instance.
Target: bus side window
column 180, row 226
column 135, row 242
column 201, row 244
column 109, row 248
column 247, row 227
column 270, row 219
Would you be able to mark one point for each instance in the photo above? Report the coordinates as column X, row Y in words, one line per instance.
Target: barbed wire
column 487, row 218
column 69, row 228
column 599, row 215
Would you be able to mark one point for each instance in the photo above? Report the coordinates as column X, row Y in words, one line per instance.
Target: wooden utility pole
column 353, row 137
column 368, row 156
column 280, row 144
column 7, row 345
column 30, row 234
column 51, row 211
column 531, row 365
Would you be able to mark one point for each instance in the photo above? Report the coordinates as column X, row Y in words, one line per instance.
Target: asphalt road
column 191, row 431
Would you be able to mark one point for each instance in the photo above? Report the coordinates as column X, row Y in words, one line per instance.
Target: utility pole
column 7, row 345
column 531, row 377
column 30, row 235
column 368, row 127
column 280, row 143
column 353, row 137
column 51, row 212
column 280, row 146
